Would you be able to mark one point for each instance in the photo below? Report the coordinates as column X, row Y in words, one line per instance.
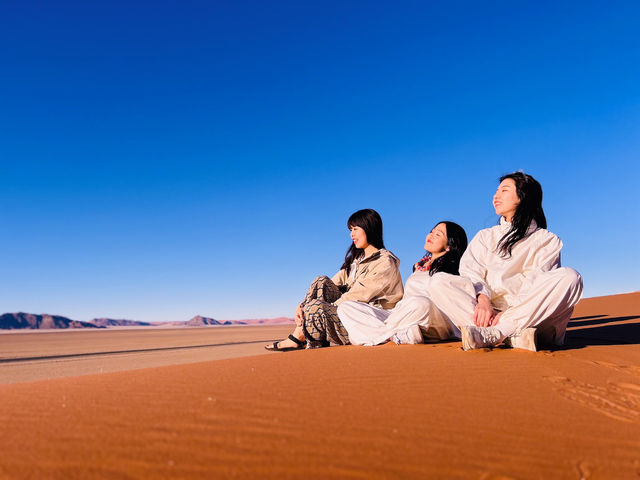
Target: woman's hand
column 299, row 318
column 496, row 319
column 483, row 313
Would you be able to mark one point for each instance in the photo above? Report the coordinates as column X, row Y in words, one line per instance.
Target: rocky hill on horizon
column 21, row 320
column 113, row 322
column 261, row 321
column 31, row 321
column 200, row 321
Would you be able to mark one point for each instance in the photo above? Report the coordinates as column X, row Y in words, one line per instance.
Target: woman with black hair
column 512, row 288
column 415, row 318
column 369, row 274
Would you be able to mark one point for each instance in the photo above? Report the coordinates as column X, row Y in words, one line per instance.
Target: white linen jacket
column 504, row 279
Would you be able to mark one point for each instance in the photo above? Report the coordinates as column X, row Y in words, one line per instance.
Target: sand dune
column 426, row 411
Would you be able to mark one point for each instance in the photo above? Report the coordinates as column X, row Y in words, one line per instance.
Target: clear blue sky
column 163, row 160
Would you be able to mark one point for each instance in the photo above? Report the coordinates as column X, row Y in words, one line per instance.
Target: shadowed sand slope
column 348, row 412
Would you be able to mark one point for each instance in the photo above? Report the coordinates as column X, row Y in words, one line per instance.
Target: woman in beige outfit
column 369, row 275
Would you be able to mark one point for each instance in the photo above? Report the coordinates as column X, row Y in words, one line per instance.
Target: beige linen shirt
column 376, row 280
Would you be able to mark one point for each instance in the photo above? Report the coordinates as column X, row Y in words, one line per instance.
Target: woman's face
column 436, row 241
column 359, row 237
column 505, row 200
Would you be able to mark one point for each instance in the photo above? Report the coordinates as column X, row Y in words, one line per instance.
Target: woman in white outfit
column 511, row 287
column 518, row 293
column 415, row 318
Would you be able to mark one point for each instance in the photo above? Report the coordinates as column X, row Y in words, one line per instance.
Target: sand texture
column 425, row 411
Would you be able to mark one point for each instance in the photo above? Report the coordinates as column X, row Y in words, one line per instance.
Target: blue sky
column 181, row 158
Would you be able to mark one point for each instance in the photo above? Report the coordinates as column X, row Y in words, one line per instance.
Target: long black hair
column 457, row 244
column 529, row 193
column 370, row 221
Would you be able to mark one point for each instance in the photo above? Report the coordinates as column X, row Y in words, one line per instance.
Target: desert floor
column 40, row 355
column 423, row 411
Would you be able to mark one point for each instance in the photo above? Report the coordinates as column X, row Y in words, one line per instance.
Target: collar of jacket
column 377, row 254
column 506, row 226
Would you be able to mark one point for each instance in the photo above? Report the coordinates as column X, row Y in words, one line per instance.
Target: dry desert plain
column 133, row 404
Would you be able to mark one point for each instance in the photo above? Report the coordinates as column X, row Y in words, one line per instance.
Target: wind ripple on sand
column 620, row 401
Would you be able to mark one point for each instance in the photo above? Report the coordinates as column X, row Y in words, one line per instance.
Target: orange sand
column 349, row 412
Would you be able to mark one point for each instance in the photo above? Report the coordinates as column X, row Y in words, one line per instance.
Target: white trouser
column 443, row 303
column 368, row 325
column 545, row 302
column 546, row 305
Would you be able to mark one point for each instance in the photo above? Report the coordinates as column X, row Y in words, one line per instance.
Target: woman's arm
column 473, row 265
column 483, row 314
column 548, row 253
column 546, row 257
column 340, row 278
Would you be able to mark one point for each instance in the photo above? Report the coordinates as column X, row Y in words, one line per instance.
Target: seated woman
column 369, row 274
column 511, row 287
column 415, row 318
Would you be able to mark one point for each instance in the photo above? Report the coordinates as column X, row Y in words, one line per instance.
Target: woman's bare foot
column 287, row 343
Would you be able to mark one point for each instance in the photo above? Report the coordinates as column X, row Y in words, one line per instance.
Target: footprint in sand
column 633, row 369
column 615, row 400
column 584, row 470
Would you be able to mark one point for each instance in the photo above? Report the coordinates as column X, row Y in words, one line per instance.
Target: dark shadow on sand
column 604, row 334
column 600, row 321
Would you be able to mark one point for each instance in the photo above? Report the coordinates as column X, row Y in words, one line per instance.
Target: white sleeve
column 548, row 255
column 473, row 266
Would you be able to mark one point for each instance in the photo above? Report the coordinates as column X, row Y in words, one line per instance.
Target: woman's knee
column 416, row 303
column 321, row 279
column 569, row 278
column 445, row 284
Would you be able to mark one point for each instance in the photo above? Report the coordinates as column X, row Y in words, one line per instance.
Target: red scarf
column 421, row 263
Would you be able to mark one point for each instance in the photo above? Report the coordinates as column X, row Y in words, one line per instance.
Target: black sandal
column 300, row 344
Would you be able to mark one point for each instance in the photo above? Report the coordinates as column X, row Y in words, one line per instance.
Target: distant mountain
column 261, row 321
column 20, row 320
column 200, row 321
column 112, row 322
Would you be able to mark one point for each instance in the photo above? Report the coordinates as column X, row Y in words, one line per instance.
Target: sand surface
column 424, row 411
column 38, row 355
